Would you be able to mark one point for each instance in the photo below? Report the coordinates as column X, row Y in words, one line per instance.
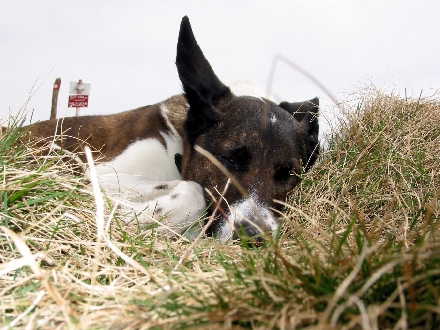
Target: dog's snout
column 249, row 218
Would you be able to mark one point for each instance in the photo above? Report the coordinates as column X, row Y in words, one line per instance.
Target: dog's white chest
column 148, row 159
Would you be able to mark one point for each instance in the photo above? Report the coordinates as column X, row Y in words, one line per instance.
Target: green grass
column 359, row 247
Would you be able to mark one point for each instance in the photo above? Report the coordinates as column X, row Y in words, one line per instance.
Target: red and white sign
column 78, row 101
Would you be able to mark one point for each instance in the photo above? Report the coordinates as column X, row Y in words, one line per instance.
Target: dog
column 149, row 156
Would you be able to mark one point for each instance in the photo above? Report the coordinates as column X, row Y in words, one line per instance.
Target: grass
column 359, row 246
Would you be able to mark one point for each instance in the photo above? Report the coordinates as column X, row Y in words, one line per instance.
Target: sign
column 78, row 101
column 75, row 87
column 80, row 97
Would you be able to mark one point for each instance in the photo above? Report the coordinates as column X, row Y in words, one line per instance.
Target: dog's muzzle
column 248, row 218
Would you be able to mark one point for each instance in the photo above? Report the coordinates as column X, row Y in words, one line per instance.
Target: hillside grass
column 360, row 245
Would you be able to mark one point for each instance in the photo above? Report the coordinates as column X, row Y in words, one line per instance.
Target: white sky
column 126, row 49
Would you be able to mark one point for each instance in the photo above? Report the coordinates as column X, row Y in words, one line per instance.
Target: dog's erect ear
column 195, row 72
column 306, row 113
column 202, row 88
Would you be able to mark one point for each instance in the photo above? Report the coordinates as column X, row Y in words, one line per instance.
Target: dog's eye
column 237, row 161
column 233, row 164
column 230, row 163
column 283, row 173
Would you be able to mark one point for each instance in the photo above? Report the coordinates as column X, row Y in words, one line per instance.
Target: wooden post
column 56, row 89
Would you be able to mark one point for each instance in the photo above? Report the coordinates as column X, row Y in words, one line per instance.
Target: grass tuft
column 359, row 247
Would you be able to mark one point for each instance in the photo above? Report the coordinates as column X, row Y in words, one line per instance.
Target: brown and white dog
column 148, row 154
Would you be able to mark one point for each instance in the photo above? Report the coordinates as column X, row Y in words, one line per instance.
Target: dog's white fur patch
column 245, row 88
column 149, row 158
column 247, row 210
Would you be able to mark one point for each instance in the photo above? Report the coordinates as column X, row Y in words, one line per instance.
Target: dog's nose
column 247, row 231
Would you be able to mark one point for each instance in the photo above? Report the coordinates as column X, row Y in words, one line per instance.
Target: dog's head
column 264, row 145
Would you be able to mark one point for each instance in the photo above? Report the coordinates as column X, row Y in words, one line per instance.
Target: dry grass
column 359, row 249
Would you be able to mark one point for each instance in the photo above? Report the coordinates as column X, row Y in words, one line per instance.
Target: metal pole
column 79, row 91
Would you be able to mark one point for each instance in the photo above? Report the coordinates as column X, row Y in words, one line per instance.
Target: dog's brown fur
column 110, row 134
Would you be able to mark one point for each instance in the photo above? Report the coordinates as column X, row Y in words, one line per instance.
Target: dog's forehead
column 256, row 123
column 252, row 112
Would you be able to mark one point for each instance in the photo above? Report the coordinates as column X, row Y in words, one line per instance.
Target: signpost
column 79, row 95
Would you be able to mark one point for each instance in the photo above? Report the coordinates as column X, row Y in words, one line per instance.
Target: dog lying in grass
column 173, row 158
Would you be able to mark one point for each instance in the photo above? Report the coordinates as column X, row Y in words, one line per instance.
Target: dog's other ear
column 203, row 89
column 300, row 109
column 306, row 113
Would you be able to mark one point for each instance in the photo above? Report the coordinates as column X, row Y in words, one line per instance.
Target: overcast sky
column 126, row 49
